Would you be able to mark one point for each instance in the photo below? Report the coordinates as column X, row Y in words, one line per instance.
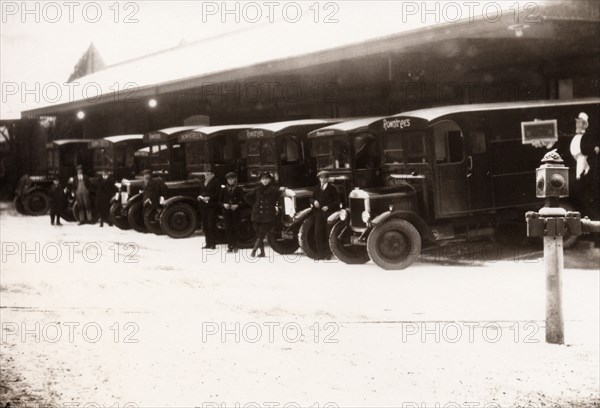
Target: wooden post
column 553, row 262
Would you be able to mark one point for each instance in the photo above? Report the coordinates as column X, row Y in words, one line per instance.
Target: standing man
column 82, row 196
column 106, row 189
column 326, row 200
column 57, row 201
column 231, row 199
column 209, row 200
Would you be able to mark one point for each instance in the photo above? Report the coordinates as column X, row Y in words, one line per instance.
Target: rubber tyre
column 152, row 224
column 135, row 217
column 394, row 245
column 75, row 212
column 347, row 253
column 179, row 220
column 283, row 246
column 18, row 202
column 36, row 203
column 246, row 233
column 306, row 238
column 117, row 218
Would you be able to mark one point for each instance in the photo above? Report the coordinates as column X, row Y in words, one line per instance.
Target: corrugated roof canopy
column 239, row 55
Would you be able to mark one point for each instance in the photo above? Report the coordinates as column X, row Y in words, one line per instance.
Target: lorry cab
column 116, row 155
column 459, row 172
column 165, row 157
column 62, row 158
column 166, row 153
column 222, row 147
column 284, row 150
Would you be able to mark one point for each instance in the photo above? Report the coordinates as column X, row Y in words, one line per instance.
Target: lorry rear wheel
column 394, row 245
column 339, row 242
column 117, row 217
column 135, row 217
column 179, row 221
column 36, row 203
column 152, row 222
column 18, row 202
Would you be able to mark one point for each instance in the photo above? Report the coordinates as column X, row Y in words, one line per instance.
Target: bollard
column 552, row 223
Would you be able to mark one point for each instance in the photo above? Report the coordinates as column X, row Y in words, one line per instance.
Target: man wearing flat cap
column 209, row 201
column 81, row 183
column 325, row 201
column 154, row 188
column 230, row 199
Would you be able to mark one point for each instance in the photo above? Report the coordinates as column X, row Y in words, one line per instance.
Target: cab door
column 478, row 171
column 451, row 186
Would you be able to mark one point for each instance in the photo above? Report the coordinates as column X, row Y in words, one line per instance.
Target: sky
column 41, row 41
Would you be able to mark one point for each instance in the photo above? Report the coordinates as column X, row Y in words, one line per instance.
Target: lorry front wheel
column 306, row 238
column 36, row 203
column 394, row 245
column 283, row 246
column 117, row 217
column 135, row 217
column 152, row 222
column 339, row 242
column 179, row 220
column 246, row 233
column 18, row 202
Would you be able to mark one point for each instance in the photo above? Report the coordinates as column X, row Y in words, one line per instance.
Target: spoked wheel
column 394, row 245
column 339, row 242
column 36, row 203
column 117, row 217
column 152, row 222
column 246, row 233
column 306, row 238
column 179, row 220
column 135, row 217
column 18, row 202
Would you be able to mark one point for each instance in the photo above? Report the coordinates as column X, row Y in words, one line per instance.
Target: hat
column 79, row 167
column 584, row 116
column 146, row 171
column 231, row 174
column 209, row 168
column 266, row 174
column 323, row 173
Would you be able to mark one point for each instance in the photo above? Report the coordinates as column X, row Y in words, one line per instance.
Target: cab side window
column 449, row 143
column 291, row 150
column 366, row 152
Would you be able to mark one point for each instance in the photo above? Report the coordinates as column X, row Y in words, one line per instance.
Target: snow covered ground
column 113, row 318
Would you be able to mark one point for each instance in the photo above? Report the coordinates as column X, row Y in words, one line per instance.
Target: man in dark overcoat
column 209, row 202
column 325, row 201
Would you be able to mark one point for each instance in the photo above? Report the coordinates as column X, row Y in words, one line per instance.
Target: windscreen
column 196, row 153
column 261, row 152
column 332, row 153
column 103, row 158
column 405, row 147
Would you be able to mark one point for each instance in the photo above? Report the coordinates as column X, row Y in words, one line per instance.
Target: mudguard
column 132, row 200
column 299, row 217
column 409, row 216
column 178, row 199
column 334, row 218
